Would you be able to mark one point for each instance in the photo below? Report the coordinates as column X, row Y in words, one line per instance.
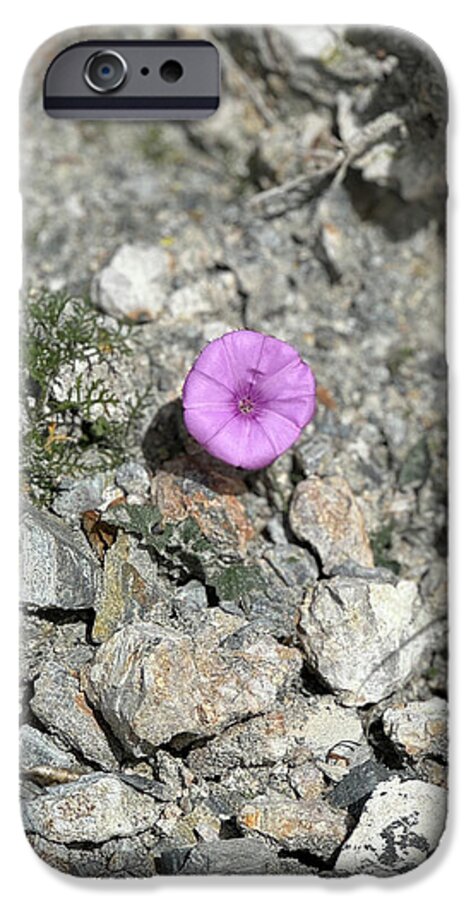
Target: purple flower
column 247, row 397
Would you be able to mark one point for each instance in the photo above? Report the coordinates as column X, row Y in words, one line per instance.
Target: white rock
column 311, row 42
column 135, row 283
column 400, row 826
column 366, row 639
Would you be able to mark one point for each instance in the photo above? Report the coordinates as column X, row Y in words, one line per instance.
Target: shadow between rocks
column 163, row 439
column 384, row 207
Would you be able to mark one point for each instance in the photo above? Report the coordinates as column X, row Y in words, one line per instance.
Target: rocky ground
column 226, row 672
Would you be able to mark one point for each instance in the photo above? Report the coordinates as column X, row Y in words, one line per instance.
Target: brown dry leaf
column 100, row 535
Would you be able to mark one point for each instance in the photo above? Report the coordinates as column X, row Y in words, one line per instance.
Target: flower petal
column 298, row 410
column 296, row 380
column 242, row 442
column 201, row 389
column 276, row 355
column 203, row 425
column 280, row 431
column 230, row 358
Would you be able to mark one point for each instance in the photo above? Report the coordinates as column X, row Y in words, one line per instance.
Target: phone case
column 233, row 638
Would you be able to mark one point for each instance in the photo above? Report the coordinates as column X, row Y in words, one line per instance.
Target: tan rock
column 221, row 517
column 418, row 728
column 324, row 513
column 123, row 588
column 296, row 824
column 154, row 684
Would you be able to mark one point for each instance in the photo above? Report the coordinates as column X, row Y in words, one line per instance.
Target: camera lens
column 105, row 71
column 171, row 71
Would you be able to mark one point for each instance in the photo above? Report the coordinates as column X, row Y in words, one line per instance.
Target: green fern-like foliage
column 65, row 331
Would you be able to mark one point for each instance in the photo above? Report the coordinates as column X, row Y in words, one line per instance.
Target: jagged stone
column 154, row 685
column 366, row 638
column 95, row 808
column 324, row 513
column 62, row 707
column 58, row 569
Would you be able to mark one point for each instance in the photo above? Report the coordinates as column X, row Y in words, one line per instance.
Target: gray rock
column 43, row 640
column 154, row 685
column 312, row 453
column 190, row 599
column 38, row 751
column 359, row 783
column 296, row 824
column 133, row 478
column 58, row 568
column 302, row 729
column 418, row 728
column 270, row 592
column 324, row 513
column 366, row 639
column 236, row 856
column 294, row 566
column 147, row 786
column 95, row 808
column 353, row 570
column 77, row 497
column 135, row 283
column 400, row 826
column 232, row 856
column 283, row 150
column 416, row 466
column 126, row 857
column 61, row 705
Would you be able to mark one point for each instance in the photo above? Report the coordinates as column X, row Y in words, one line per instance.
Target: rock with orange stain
column 62, row 707
column 325, row 514
column 212, row 503
column 301, row 730
column 130, row 587
column 154, row 685
column 419, row 728
column 311, row 825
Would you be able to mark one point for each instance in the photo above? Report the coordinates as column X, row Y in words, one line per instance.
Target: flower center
column 246, row 405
